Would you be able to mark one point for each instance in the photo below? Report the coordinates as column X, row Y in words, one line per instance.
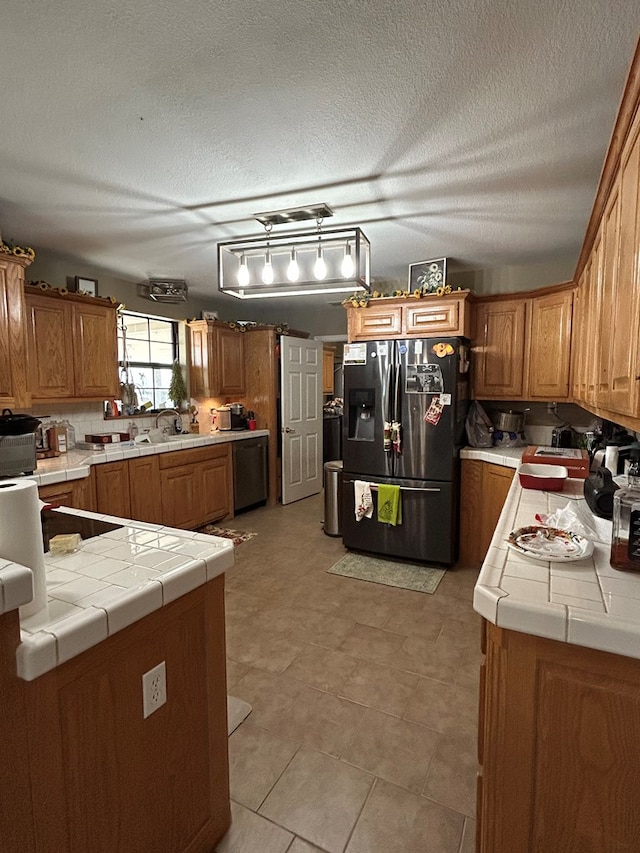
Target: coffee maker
column 238, row 416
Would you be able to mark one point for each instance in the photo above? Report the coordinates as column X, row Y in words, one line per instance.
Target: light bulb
column 267, row 269
column 293, row 270
column 348, row 267
column 243, row 273
column 320, row 267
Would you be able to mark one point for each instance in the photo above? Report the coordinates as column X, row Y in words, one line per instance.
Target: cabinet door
column 58, row 494
column 499, row 349
column 13, row 337
column 144, row 489
column 215, row 496
column 230, row 366
column 550, row 345
column 471, row 538
column 327, row 370
column 625, row 316
column 112, row 489
column 373, row 322
column 593, row 330
column 50, row 348
column 610, row 245
column 180, row 499
column 95, row 351
column 199, row 351
column 427, row 319
column 496, row 482
column 85, row 492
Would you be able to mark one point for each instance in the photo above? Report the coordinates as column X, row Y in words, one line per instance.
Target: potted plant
column 177, row 388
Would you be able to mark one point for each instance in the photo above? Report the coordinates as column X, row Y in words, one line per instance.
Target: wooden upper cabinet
column 550, row 345
column 328, row 354
column 374, row 321
column 499, row 349
column 447, row 316
column 50, row 348
column 72, row 347
column 610, row 244
column 623, row 346
column 13, row 338
column 216, row 360
column 95, row 351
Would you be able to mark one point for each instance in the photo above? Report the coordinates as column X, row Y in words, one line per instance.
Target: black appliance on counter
column 422, row 385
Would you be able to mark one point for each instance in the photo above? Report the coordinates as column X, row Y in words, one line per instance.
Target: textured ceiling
column 135, row 136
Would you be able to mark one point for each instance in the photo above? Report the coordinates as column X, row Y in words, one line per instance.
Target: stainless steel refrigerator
column 405, row 403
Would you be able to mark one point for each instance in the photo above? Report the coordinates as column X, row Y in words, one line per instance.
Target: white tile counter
column 508, row 457
column 75, row 464
column 586, row 602
column 112, row 581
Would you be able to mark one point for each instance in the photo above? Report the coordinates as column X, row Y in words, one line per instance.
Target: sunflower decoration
column 359, row 300
column 11, row 248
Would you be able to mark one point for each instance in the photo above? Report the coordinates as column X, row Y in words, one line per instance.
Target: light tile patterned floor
column 362, row 737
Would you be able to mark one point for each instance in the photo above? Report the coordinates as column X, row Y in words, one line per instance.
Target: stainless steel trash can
column 332, row 497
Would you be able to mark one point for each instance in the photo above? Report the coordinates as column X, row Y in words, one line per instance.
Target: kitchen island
column 559, row 722
column 83, row 769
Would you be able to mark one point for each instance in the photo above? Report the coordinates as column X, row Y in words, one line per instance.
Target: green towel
column 389, row 504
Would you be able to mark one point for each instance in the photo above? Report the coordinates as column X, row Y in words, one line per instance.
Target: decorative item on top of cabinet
column 216, row 363
column 72, row 346
column 396, row 317
column 13, row 338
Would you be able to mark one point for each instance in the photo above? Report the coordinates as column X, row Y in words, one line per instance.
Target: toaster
column 599, row 489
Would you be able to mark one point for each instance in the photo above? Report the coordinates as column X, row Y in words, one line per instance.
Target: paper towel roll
column 611, row 458
column 21, row 536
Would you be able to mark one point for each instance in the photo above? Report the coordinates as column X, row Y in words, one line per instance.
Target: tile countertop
column 508, row 457
column 74, row 465
column 112, row 581
column 586, row 602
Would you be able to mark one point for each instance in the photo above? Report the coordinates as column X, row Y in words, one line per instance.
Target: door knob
column 288, row 429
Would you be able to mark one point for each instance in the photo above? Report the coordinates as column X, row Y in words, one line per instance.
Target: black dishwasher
column 250, row 472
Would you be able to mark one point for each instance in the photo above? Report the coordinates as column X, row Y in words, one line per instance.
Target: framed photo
column 428, row 276
column 86, row 285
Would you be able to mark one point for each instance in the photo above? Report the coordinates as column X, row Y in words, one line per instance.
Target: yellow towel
column 389, row 504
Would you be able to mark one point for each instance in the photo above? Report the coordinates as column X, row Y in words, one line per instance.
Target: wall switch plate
column 154, row 689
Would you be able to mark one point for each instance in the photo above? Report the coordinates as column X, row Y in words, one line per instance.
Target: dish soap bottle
column 625, row 540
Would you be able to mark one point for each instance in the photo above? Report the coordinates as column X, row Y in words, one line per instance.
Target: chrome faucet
column 176, row 423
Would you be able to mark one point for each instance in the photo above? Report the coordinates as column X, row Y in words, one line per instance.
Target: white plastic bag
column 478, row 426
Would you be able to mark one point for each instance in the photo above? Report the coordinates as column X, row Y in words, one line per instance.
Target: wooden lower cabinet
column 79, row 494
column 483, row 491
column 86, row 772
column 144, row 489
column 559, row 748
column 112, row 489
column 183, row 488
column 196, row 486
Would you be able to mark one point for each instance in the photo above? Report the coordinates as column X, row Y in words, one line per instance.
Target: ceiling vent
column 167, row 290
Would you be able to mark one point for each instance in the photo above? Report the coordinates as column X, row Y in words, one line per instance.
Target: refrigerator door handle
column 374, row 487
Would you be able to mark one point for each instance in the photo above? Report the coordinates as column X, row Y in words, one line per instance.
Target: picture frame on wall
column 428, row 276
column 86, row 285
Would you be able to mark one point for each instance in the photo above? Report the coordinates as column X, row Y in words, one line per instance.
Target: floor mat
column 238, row 536
column 404, row 575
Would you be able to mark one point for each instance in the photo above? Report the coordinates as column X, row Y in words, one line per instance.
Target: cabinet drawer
column 426, row 319
column 375, row 323
column 193, row 457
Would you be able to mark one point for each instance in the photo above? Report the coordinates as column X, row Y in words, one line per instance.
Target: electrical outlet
column 154, row 689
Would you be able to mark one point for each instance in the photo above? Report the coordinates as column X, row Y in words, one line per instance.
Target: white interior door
column 301, row 413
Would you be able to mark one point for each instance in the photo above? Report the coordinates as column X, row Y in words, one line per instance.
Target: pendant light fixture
column 296, row 263
column 320, row 267
column 293, row 270
column 267, row 269
column 347, row 267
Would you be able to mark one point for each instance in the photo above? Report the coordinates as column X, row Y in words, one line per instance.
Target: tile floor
column 362, row 737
